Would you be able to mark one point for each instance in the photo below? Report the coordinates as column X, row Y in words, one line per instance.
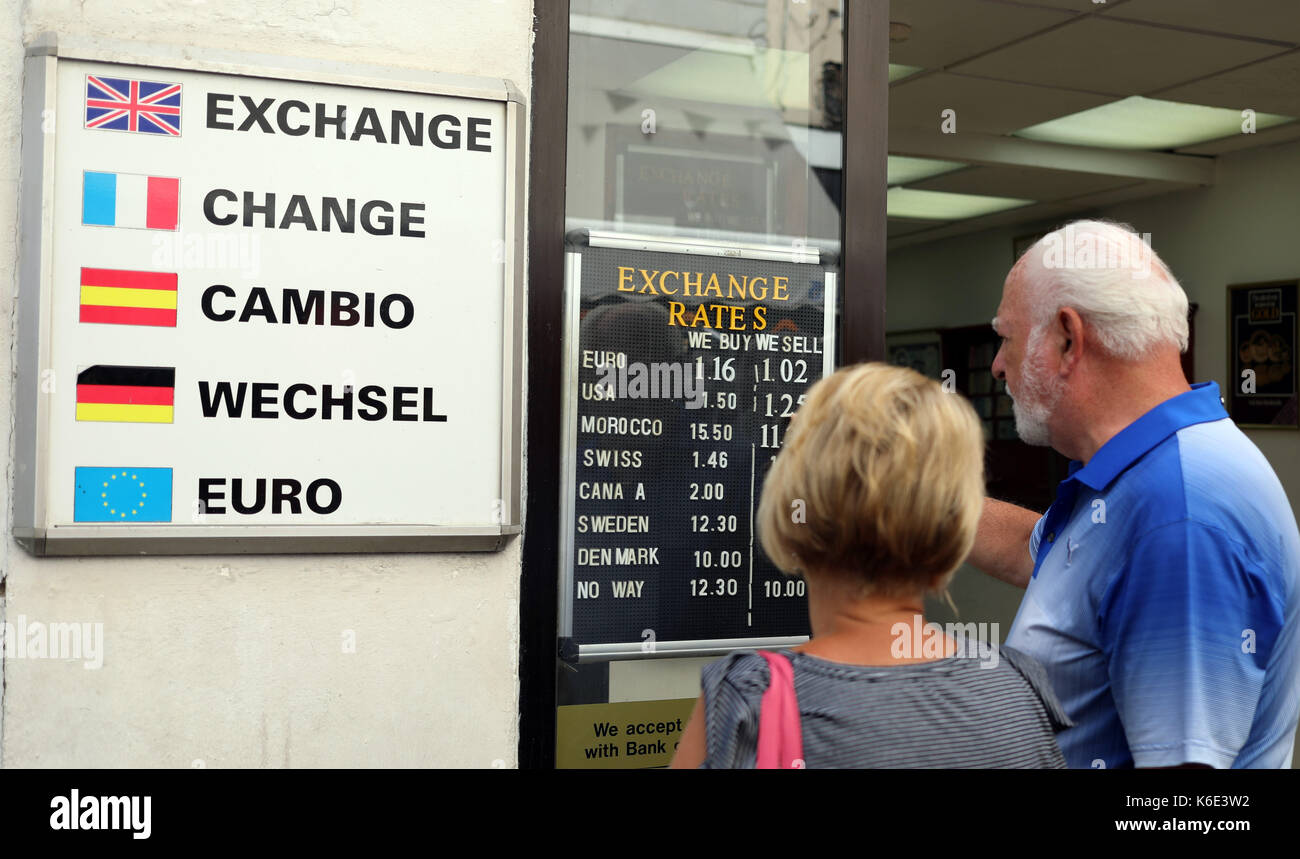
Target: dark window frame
column 862, row 326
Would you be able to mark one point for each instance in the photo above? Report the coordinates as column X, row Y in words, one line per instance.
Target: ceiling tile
column 1270, row 86
column 944, row 31
column 1024, row 182
column 1039, row 213
column 1079, row 5
column 983, row 105
column 1101, row 55
column 1262, row 19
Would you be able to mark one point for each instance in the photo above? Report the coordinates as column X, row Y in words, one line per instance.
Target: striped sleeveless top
column 949, row 713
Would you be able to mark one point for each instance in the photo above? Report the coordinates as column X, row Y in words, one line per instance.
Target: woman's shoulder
column 733, row 689
column 747, row 673
column 978, row 665
column 744, row 671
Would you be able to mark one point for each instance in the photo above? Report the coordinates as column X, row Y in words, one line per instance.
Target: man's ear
column 1070, row 329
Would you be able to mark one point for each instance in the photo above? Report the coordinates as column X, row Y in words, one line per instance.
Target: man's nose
column 999, row 368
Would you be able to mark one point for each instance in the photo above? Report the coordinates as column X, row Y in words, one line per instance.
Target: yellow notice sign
column 627, row 735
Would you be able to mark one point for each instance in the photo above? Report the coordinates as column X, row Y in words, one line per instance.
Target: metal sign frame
column 31, row 526
column 805, row 254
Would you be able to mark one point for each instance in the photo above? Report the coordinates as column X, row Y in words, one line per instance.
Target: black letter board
column 685, row 362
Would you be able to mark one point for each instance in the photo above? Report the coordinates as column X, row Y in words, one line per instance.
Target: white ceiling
column 1003, row 65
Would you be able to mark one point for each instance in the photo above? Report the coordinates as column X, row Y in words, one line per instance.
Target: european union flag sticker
column 123, row 495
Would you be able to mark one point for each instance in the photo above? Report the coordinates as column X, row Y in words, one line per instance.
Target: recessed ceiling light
column 944, row 205
column 1146, row 123
column 903, row 169
column 775, row 78
column 897, row 71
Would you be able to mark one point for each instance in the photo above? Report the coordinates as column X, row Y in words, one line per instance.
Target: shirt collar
column 1199, row 405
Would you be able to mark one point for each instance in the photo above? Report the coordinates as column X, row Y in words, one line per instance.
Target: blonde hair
column 887, row 471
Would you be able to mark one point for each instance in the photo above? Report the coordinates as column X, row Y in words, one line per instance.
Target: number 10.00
column 787, row 588
column 704, row 558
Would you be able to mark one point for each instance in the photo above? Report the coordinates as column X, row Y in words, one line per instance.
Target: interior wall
column 245, row 661
column 1240, row 230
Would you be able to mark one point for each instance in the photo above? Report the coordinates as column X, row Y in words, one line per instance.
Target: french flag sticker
column 130, row 200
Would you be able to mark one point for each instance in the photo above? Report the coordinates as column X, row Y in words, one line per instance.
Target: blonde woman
column 887, row 470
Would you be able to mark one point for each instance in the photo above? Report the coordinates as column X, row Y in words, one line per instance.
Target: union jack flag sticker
column 122, row 104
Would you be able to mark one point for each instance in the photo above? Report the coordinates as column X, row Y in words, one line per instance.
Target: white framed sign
column 266, row 305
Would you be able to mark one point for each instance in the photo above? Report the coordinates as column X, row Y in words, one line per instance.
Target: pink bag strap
column 780, row 735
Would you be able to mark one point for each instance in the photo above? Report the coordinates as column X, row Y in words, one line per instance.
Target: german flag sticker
column 108, row 392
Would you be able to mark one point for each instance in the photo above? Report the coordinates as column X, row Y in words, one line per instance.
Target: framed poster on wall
column 920, row 350
column 1261, row 388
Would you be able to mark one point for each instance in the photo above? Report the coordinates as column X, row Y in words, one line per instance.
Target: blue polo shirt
column 1165, row 599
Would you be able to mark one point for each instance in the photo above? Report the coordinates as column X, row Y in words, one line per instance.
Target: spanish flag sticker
column 107, row 392
column 123, row 297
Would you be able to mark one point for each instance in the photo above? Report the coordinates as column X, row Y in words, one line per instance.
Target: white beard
column 1040, row 392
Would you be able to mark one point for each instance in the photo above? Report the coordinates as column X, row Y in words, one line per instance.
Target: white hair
column 1114, row 279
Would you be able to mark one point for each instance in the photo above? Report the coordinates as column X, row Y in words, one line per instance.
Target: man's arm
column 1002, row 542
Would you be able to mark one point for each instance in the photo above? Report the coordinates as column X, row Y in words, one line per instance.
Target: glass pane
column 717, row 119
column 719, row 122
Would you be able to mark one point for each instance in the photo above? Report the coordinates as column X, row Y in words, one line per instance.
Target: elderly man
column 1163, row 585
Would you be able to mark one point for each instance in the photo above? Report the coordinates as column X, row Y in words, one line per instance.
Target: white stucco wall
column 240, row 660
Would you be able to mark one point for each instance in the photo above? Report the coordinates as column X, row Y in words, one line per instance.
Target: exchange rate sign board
column 275, row 313
column 684, row 372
